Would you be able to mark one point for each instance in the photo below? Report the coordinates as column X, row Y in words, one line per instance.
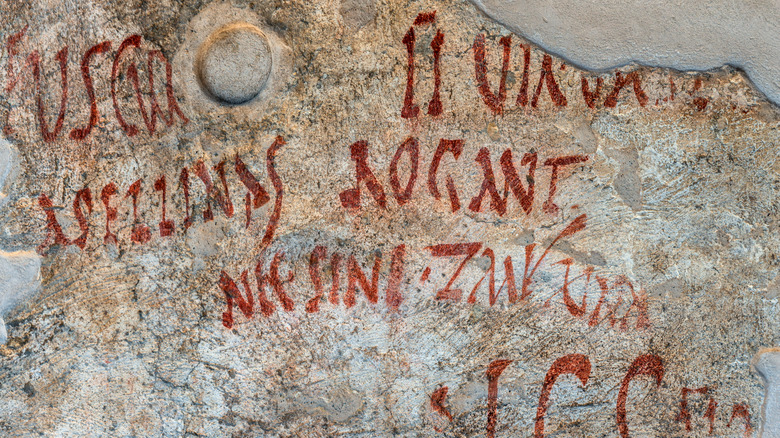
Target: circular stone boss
column 234, row 63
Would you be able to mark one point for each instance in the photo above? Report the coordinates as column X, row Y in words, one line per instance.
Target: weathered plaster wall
column 644, row 263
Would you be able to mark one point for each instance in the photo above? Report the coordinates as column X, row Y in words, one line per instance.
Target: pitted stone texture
column 234, row 63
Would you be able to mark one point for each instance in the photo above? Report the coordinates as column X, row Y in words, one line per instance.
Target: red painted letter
column 576, row 364
column 620, row 82
column 556, row 163
column 650, row 365
column 548, row 78
column 173, row 106
column 495, row 103
column 141, row 233
column 356, row 275
column 253, row 189
column 453, row 250
column 276, row 181
column 456, row 147
column 166, row 226
column 410, row 110
column 53, row 226
column 437, row 403
column 591, row 96
column 62, row 57
column 410, row 146
column 82, row 133
column 493, row 373
column 221, row 196
column 105, row 196
column 741, row 411
column 497, row 203
column 350, row 199
column 513, row 180
column 232, row 292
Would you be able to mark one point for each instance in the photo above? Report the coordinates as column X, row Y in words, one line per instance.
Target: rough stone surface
column 395, row 290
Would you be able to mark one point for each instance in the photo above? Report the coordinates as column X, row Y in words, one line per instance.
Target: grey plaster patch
column 523, row 238
column 7, row 159
column 337, row 404
column 601, row 35
column 773, row 289
column 234, row 63
column 582, row 132
column 593, row 258
column 627, row 182
column 357, row 13
column 767, row 364
column 673, row 288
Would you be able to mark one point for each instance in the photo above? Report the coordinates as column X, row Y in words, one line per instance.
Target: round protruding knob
column 234, row 63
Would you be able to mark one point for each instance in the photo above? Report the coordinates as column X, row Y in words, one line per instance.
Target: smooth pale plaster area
column 19, row 281
column 605, row 34
column 767, row 364
column 19, row 270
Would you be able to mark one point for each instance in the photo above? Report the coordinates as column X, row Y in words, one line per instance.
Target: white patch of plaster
column 20, row 280
column 767, row 364
column 7, row 159
column 605, row 34
column 20, row 271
